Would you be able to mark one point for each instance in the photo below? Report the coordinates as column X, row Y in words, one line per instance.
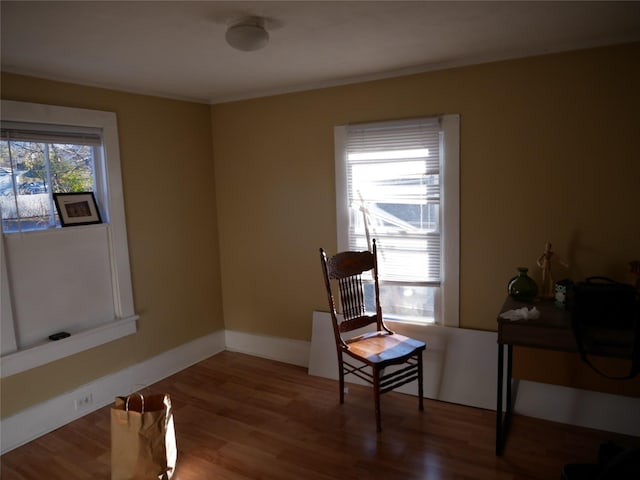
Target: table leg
column 499, row 443
column 507, row 417
column 502, row 424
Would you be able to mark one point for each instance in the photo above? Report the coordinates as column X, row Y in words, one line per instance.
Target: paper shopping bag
column 143, row 441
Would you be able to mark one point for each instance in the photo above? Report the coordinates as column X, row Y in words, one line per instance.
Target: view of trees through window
column 30, row 172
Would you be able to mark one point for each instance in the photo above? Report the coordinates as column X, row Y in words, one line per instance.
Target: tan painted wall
column 165, row 149
column 549, row 152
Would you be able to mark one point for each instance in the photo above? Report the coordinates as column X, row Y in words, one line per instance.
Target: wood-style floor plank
column 239, row 417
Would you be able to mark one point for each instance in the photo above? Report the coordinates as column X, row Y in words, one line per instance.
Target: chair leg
column 420, row 387
column 376, row 397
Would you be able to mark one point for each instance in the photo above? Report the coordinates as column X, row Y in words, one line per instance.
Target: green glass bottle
column 522, row 287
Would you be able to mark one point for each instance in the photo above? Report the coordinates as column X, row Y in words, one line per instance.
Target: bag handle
column 126, row 405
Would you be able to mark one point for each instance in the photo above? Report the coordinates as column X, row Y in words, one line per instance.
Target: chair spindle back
column 348, row 269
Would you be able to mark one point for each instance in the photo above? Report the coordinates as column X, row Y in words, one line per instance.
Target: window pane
column 404, row 302
column 72, row 168
column 393, row 188
column 30, row 172
column 396, row 201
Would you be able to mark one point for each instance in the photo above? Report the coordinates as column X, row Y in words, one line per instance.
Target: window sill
column 37, row 355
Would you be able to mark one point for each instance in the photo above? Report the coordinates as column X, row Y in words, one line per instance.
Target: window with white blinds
column 394, row 181
column 38, row 160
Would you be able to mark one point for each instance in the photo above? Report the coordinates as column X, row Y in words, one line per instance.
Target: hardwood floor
column 243, row 417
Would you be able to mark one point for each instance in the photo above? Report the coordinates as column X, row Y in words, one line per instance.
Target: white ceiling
column 177, row 49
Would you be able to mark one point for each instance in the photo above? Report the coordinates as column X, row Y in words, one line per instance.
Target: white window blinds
column 394, row 190
column 44, row 133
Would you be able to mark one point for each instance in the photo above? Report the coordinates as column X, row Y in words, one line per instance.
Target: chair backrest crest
column 348, row 269
column 347, row 264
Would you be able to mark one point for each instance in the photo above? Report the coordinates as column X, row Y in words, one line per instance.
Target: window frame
column 48, row 134
column 447, row 305
column 109, row 193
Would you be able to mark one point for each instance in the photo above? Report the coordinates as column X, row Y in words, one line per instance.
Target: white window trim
column 111, row 191
column 450, row 201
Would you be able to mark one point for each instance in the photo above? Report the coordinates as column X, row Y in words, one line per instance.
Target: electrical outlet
column 83, row 401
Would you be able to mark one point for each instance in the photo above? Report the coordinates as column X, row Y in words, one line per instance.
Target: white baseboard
column 583, row 408
column 45, row 417
column 295, row 352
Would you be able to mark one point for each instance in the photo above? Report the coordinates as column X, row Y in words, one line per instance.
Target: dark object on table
column 562, row 293
column 606, row 312
column 522, row 287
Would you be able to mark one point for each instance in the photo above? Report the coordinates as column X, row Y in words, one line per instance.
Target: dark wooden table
column 551, row 331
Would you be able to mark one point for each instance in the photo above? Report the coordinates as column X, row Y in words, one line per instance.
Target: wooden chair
column 376, row 350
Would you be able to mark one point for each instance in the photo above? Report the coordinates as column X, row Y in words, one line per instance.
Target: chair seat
column 381, row 347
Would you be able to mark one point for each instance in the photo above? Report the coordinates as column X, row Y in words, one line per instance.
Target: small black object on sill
column 59, row 336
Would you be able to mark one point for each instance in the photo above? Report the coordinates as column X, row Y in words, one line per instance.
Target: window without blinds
column 37, row 160
column 394, row 192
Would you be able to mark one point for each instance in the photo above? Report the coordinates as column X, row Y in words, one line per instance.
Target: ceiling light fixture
column 248, row 34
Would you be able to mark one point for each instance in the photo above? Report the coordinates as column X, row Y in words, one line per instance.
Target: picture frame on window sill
column 77, row 208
